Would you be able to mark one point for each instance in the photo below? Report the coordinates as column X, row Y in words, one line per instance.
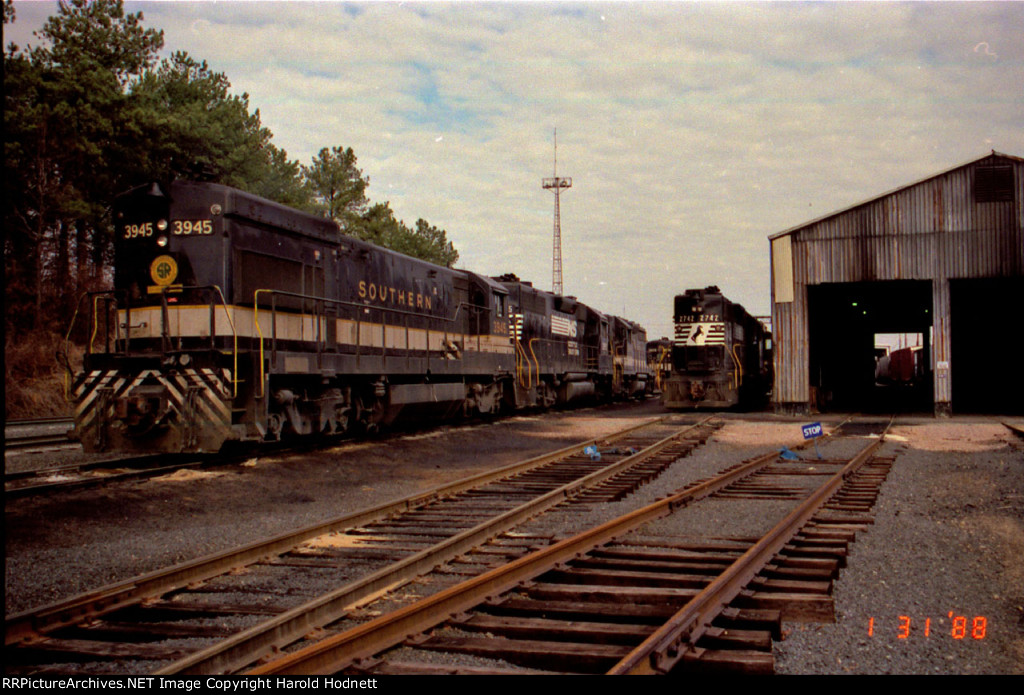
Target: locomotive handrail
column 96, row 324
column 164, row 336
column 355, row 305
column 522, row 358
column 114, row 296
column 618, row 365
column 96, row 295
column 536, row 362
column 659, row 364
column 738, row 372
column 583, row 358
column 234, row 335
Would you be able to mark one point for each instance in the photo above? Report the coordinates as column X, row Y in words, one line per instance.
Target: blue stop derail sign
column 812, row 430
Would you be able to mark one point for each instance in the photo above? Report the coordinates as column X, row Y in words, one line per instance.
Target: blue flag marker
column 788, row 455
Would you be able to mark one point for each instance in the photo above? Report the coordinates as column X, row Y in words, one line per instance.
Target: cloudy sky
column 691, row 131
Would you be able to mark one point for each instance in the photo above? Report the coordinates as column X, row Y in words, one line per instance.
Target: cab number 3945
column 186, row 227
column 178, row 228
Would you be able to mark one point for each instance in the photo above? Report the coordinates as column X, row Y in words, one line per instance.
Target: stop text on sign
column 813, row 430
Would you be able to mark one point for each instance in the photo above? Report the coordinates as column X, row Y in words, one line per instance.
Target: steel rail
column 1016, row 429
column 244, row 648
column 677, row 638
column 26, row 433
column 344, row 649
column 85, row 480
column 31, row 624
column 40, row 421
column 83, row 467
column 38, row 440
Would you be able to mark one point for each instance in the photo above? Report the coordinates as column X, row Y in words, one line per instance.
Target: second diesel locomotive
column 234, row 318
column 721, row 356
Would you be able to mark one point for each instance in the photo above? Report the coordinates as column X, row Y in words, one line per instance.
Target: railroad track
column 618, row 600
column 41, row 421
column 23, row 436
column 249, row 602
column 70, row 476
column 73, row 476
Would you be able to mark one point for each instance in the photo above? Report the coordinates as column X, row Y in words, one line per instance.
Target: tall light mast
column 556, row 183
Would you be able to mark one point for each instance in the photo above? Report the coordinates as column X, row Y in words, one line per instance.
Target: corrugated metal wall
column 931, row 230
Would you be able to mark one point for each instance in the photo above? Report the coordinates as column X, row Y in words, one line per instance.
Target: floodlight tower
column 556, row 183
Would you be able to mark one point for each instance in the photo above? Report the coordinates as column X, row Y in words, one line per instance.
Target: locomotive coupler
column 143, row 408
column 697, row 391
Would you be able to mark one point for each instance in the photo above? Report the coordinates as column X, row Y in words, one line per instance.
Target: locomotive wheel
column 334, row 412
column 367, row 413
column 275, row 423
column 546, row 395
column 484, row 400
column 339, row 423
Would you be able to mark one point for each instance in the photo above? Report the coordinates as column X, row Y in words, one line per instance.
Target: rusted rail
column 341, row 651
column 658, row 650
column 34, row 627
column 241, row 650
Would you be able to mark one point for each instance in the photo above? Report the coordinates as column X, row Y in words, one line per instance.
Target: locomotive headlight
column 161, row 241
column 162, row 225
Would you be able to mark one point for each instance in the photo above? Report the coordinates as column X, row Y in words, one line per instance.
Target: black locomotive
column 234, row 318
column 721, row 356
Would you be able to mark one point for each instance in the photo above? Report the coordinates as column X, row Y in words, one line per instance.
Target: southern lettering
column 393, row 295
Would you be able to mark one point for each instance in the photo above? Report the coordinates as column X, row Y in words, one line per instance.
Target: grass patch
column 33, row 379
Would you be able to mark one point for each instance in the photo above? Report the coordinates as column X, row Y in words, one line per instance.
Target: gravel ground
column 949, row 533
column 948, row 540
column 76, row 541
column 968, row 476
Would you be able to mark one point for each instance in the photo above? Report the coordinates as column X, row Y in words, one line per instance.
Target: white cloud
column 691, row 130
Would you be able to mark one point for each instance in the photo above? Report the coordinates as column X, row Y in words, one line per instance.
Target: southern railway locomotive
column 234, row 318
column 721, row 356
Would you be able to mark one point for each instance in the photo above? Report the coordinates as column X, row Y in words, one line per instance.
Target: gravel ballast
column 948, row 535
column 71, row 542
column 948, row 538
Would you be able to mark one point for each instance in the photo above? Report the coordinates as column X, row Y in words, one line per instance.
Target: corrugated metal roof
column 893, row 192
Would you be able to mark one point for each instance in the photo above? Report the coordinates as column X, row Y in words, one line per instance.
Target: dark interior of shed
column 844, row 319
column 987, row 345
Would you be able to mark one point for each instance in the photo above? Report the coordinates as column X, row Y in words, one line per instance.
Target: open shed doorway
column 986, row 338
column 852, row 327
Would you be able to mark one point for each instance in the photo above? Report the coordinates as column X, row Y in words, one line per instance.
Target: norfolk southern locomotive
column 234, row 318
column 721, row 356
